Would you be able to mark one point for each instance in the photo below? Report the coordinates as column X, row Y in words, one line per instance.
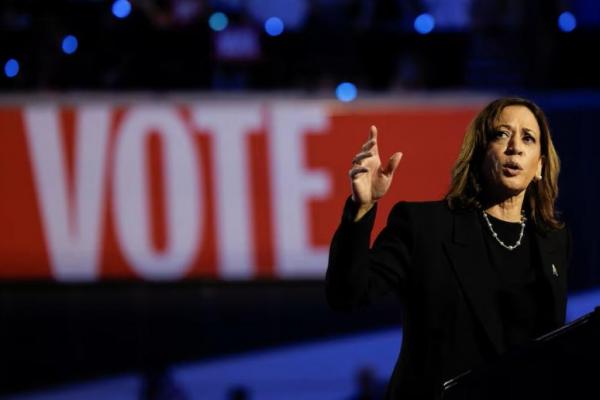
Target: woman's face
column 513, row 157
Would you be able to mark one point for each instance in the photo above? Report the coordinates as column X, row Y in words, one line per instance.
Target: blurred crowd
column 376, row 44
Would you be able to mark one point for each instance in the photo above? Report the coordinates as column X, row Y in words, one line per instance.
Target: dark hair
column 466, row 187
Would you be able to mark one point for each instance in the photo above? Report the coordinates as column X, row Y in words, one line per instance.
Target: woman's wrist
column 362, row 210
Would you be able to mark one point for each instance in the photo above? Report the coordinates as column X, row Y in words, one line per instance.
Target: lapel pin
column 554, row 271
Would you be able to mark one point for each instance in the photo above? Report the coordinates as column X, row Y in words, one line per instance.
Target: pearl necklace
column 495, row 235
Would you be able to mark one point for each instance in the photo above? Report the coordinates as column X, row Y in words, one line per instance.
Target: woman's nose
column 515, row 146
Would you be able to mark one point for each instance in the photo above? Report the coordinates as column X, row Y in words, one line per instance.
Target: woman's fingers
column 392, row 163
column 368, row 145
column 357, row 170
column 372, row 142
column 361, row 156
column 373, row 132
column 369, row 149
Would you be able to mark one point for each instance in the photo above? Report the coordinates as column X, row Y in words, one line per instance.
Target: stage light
column 274, row 26
column 69, row 44
column 121, row 8
column 567, row 22
column 218, row 21
column 11, row 68
column 346, row 92
column 424, row 24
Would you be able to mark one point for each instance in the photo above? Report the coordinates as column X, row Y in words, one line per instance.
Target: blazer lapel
column 553, row 273
column 471, row 264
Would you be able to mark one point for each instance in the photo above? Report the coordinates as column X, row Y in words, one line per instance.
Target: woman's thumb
column 392, row 163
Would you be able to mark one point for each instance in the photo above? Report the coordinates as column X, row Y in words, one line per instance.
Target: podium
column 562, row 364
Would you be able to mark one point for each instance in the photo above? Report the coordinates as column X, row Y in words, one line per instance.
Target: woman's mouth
column 510, row 172
column 511, row 168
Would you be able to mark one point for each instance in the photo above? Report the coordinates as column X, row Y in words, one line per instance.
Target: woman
column 477, row 273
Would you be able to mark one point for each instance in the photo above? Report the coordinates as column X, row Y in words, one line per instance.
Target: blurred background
column 172, row 173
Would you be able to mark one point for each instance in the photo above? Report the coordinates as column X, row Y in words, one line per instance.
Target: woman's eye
column 529, row 139
column 499, row 134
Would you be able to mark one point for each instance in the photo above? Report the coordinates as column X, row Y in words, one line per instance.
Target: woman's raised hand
column 370, row 181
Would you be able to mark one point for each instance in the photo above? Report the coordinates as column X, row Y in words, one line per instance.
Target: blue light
column 346, row 92
column 274, row 26
column 218, row 21
column 424, row 24
column 11, row 68
column 567, row 22
column 69, row 44
column 581, row 303
column 121, row 8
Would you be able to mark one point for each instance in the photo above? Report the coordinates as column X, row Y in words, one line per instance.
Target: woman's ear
column 538, row 173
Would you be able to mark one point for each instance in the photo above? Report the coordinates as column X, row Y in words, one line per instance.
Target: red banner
column 223, row 190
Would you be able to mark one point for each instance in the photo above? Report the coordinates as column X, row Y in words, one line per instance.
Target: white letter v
column 72, row 225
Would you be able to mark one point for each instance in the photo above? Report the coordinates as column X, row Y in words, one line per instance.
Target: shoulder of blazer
column 421, row 210
column 425, row 219
column 422, row 207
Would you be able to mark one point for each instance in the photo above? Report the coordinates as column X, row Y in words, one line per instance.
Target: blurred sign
column 218, row 190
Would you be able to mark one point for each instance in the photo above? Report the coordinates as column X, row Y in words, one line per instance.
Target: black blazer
column 435, row 261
